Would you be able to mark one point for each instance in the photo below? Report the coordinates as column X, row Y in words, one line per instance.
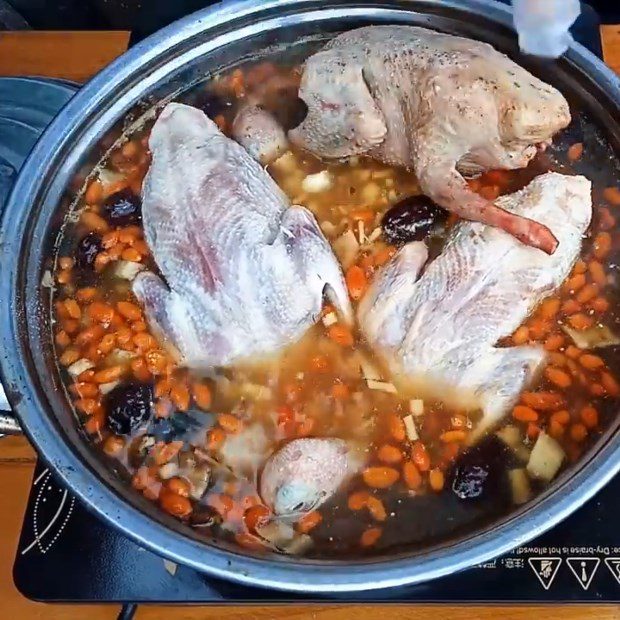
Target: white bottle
column 543, row 25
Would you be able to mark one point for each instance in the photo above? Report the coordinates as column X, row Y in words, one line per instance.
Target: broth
column 329, row 384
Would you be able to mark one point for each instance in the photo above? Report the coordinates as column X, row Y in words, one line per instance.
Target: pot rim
column 287, row 575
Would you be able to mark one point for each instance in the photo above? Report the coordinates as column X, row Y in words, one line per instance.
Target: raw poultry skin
column 437, row 104
column 439, row 331
column 245, row 273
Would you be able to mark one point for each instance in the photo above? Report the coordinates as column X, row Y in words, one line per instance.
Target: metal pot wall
column 154, row 70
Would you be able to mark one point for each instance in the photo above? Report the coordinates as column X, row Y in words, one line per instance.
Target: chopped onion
column 315, row 183
column 416, row 407
column 104, row 388
column 411, row 430
column 361, row 234
column 258, row 392
column 369, row 370
column 120, row 356
column 199, row 478
column 127, row 269
column 546, row 458
column 300, row 376
column 283, row 537
column 170, row 567
column 77, row 368
column 346, row 248
column 330, row 319
column 381, row 386
column 109, row 177
column 169, row 470
column 286, row 162
column 519, row 486
column 299, row 545
column 47, row 281
column 328, row 228
column 595, row 337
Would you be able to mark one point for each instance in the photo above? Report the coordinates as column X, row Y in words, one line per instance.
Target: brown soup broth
column 319, row 386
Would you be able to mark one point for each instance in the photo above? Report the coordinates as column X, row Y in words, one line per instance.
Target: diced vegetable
column 369, row 370
column 519, row 486
column 77, row 368
column 286, row 162
column 381, row 386
column 330, row 319
column 169, row 470
column 361, row 234
column 170, row 567
column 416, row 407
column 109, row 178
column 546, row 458
column 319, row 182
column 512, row 437
column 199, row 478
column 104, row 388
column 346, row 248
column 47, row 281
column 127, row 269
column 596, row 337
column 410, row 428
column 253, row 390
column 374, row 235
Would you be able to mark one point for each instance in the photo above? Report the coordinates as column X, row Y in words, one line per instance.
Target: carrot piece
column 579, row 267
column 436, row 479
column 420, row 456
column 558, row 377
column 100, row 313
column 524, row 414
column 597, row 273
column 412, row 476
column 572, row 352
column 384, row 255
column 308, row 522
column 453, row 436
column 380, row 477
column 319, row 363
column 496, row 177
column 163, row 408
column 549, row 308
column 612, row 195
column 356, row 281
column 591, row 362
column 389, row 454
column 230, row 423
column 606, row 220
column 521, row 336
column 84, row 390
column 174, row 504
column 107, row 344
column 73, row 309
column 589, row 416
column 370, row 537
column 575, row 151
column 396, row 427
column 131, row 254
column 358, row 500
column 539, row 329
column 113, row 445
column 580, row 321
column 542, row 401
column 602, row 245
column 63, row 276
column 255, row 516
column 87, row 405
column 578, row 432
column 376, row 508
column 365, row 215
column 156, row 361
column 202, row 395
column 215, row 438
column 179, row 394
column 561, row 417
column 341, row 334
column 305, row 427
column 554, row 342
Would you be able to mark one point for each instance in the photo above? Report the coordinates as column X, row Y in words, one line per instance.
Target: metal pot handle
column 8, row 422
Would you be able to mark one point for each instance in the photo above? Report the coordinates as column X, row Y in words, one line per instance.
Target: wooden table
column 77, row 56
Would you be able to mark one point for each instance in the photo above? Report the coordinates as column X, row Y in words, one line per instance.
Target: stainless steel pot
column 157, row 68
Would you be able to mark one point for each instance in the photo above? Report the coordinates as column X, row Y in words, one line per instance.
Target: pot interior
column 173, row 66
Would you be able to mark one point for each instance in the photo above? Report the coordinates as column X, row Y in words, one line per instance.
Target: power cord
column 128, row 611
